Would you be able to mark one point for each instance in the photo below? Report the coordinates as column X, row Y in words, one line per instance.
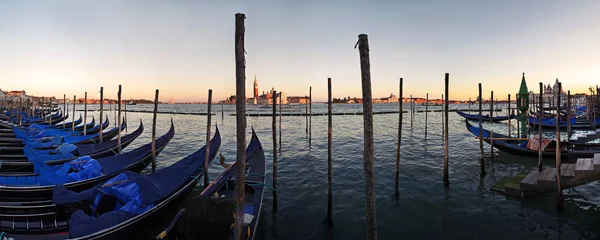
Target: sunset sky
column 184, row 48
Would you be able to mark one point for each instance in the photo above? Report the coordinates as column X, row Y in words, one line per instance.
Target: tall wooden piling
column 365, row 67
column 154, row 131
column 119, row 120
column 280, row 103
column 274, row 127
column 446, row 143
column 329, row 153
column 560, row 205
column 411, row 113
column 540, row 116
column 240, row 70
column 492, row 107
column 222, row 114
column 208, row 125
column 20, row 112
column 49, row 107
column 74, row 102
column 115, row 115
column 492, row 123
column 85, row 114
column 426, row 110
column 125, row 112
column 398, row 150
column 310, row 118
column 509, row 118
column 65, row 109
column 306, row 112
column 102, row 111
column 469, row 104
column 481, row 129
column 442, row 114
column 569, row 115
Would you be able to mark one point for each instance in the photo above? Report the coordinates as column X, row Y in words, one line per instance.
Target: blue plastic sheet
column 85, row 168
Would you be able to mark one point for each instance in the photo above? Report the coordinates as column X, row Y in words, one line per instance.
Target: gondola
column 224, row 187
column 87, row 126
column 46, row 143
column 46, row 177
column 51, row 121
column 550, row 123
column 67, row 125
column 28, row 120
column 26, row 133
column 519, row 147
column 485, row 118
column 103, row 212
column 12, row 163
column 96, row 128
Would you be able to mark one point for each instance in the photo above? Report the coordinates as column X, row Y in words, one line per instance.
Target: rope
column 262, row 185
column 194, row 177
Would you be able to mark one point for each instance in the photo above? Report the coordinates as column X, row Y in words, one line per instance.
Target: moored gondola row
column 71, row 180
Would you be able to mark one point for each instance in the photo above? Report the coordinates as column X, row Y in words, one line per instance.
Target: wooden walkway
column 585, row 137
column 585, row 170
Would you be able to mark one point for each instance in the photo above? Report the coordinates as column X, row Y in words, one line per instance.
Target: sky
column 184, row 48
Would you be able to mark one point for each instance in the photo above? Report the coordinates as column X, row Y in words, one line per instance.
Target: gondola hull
column 19, row 194
column 510, row 146
column 485, row 118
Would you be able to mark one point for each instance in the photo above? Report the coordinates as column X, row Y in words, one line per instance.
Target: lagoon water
column 468, row 209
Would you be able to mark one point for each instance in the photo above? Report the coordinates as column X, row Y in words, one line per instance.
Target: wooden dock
column 583, row 138
column 585, row 170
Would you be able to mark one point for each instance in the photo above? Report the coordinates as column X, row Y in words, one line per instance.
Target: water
column 468, row 209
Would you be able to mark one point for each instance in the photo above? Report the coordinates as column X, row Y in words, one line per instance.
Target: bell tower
column 255, row 90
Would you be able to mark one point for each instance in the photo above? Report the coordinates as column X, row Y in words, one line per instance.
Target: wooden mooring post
column 446, row 153
column 569, row 115
column 560, row 205
column 482, row 162
column 540, row 116
column 442, row 113
column 492, row 124
column 411, row 113
column 469, row 104
column 49, row 107
column 125, row 113
column 310, row 118
column 274, row 128
column 398, row 150
column 329, row 154
column 280, row 104
column 208, row 125
column 365, row 67
column 85, row 114
column 74, row 102
column 102, row 111
column 119, row 149
column 509, row 118
column 306, row 112
column 154, row 131
column 492, row 107
column 426, row 110
column 240, row 115
column 65, row 109
column 115, row 115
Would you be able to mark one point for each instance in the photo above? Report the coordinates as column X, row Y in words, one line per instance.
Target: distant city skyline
column 184, row 48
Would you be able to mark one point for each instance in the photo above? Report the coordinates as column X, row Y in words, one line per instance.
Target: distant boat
column 131, row 103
